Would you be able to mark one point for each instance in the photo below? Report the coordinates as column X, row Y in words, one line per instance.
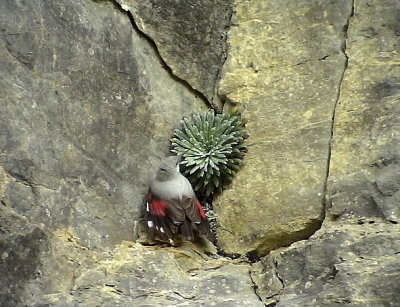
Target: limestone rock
column 87, row 107
column 190, row 36
column 141, row 276
column 284, row 69
column 364, row 178
column 86, row 110
column 343, row 263
column 22, row 248
column 40, row 268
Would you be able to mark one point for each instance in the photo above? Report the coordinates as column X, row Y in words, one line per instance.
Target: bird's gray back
column 178, row 188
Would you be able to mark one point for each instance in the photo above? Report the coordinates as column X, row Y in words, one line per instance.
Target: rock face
column 364, row 179
column 86, row 109
column 88, row 104
column 22, row 248
column 354, row 257
column 190, row 36
column 55, row 269
column 343, row 263
column 284, row 70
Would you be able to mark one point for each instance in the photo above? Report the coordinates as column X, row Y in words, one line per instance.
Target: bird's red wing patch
column 165, row 222
column 156, row 206
column 201, row 210
column 157, row 219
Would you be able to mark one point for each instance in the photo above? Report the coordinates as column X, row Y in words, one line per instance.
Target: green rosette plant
column 211, row 147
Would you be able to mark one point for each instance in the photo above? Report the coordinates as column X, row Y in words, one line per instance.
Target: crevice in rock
column 254, row 257
column 276, row 272
column 302, row 62
column 192, row 297
column 28, row 182
column 285, row 239
column 224, row 57
column 338, row 95
column 273, row 296
column 275, row 239
column 164, row 64
column 288, row 65
column 231, row 256
column 255, row 288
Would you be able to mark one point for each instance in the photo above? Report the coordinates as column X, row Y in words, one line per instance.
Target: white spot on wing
column 157, row 228
column 147, row 207
column 162, row 229
column 150, row 224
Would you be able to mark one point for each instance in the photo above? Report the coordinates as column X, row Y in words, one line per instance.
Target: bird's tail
column 205, row 229
column 186, row 229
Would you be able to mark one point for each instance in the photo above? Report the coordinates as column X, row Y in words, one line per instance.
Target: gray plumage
column 172, row 205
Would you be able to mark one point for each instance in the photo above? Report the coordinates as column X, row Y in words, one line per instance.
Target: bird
column 172, row 206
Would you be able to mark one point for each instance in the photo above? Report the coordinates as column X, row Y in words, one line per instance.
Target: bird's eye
column 163, row 169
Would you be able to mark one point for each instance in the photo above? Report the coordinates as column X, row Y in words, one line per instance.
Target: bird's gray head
column 168, row 168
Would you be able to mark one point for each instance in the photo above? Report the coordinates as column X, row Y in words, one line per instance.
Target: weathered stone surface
column 364, row 176
column 341, row 264
column 22, row 248
column 55, row 269
column 163, row 276
column 190, row 36
column 86, row 109
column 284, row 69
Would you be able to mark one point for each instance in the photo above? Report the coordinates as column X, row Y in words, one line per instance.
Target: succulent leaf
column 212, row 147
